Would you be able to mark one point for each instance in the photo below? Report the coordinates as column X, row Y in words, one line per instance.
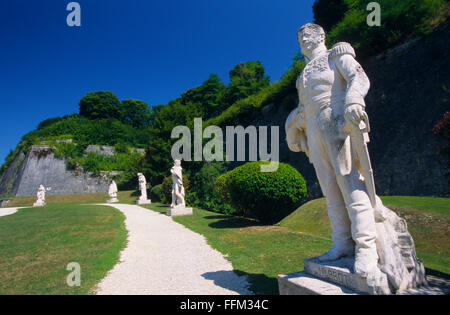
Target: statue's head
column 177, row 163
column 309, row 37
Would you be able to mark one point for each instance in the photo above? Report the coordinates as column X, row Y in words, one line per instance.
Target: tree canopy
column 100, row 104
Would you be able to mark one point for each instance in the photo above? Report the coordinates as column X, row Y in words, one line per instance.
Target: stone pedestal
column 178, row 211
column 337, row 278
column 340, row 272
column 39, row 204
column 112, row 200
column 143, row 202
column 300, row 283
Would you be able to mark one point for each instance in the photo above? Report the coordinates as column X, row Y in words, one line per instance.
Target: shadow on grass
column 236, row 281
column 232, row 223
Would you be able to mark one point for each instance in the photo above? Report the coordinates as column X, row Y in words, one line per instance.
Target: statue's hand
column 354, row 113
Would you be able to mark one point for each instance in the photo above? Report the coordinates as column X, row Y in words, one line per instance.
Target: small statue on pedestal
column 143, row 200
column 112, row 192
column 40, row 202
column 178, row 206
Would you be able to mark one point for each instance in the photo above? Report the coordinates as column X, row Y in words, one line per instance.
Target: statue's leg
column 362, row 220
column 337, row 148
column 343, row 244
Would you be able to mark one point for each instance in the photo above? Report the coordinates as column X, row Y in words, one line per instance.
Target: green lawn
column 37, row 244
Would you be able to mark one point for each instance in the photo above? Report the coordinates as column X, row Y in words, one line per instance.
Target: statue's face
column 309, row 40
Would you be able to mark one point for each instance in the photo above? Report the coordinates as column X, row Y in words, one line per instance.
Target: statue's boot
column 364, row 235
column 338, row 250
column 366, row 261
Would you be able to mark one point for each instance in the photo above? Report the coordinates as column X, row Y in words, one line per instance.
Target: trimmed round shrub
column 167, row 188
column 156, row 193
column 265, row 196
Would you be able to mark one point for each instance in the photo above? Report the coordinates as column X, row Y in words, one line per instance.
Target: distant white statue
column 112, row 192
column 143, row 188
column 178, row 192
column 178, row 206
column 40, row 202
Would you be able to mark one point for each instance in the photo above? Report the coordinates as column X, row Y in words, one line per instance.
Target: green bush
column 156, row 193
column 167, row 188
column 121, row 147
column 265, row 196
column 203, row 193
column 67, row 150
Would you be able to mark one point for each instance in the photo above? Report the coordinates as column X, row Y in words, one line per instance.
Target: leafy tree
column 100, row 104
column 135, row 113
column 245, row 79
column 204, row 98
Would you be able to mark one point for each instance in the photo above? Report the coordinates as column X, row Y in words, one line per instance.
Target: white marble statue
column 112, row 192
column 40, row 202
column 143, row 188
column 178, row 192
column 178, row 206
column 331, row 126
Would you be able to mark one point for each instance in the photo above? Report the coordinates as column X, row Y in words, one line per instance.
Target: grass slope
column 428, row 221
column 37, row 244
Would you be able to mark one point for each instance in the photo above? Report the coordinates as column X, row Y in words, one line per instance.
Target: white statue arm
column 358, row 83
column 296, row 131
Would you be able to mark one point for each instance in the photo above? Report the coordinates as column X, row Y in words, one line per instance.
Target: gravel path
column 7, row 211
column 163, row 257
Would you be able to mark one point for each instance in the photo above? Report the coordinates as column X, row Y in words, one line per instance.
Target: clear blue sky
column 152, row 50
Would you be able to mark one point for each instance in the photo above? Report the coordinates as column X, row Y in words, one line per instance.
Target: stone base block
column 340, row 272
column 178, row 211
column 143, row 202
column 112, row 200
column 39, row 204
column 300, row 283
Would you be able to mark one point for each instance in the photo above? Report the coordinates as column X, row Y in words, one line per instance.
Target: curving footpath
column 163, row 257
column 8, row 211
